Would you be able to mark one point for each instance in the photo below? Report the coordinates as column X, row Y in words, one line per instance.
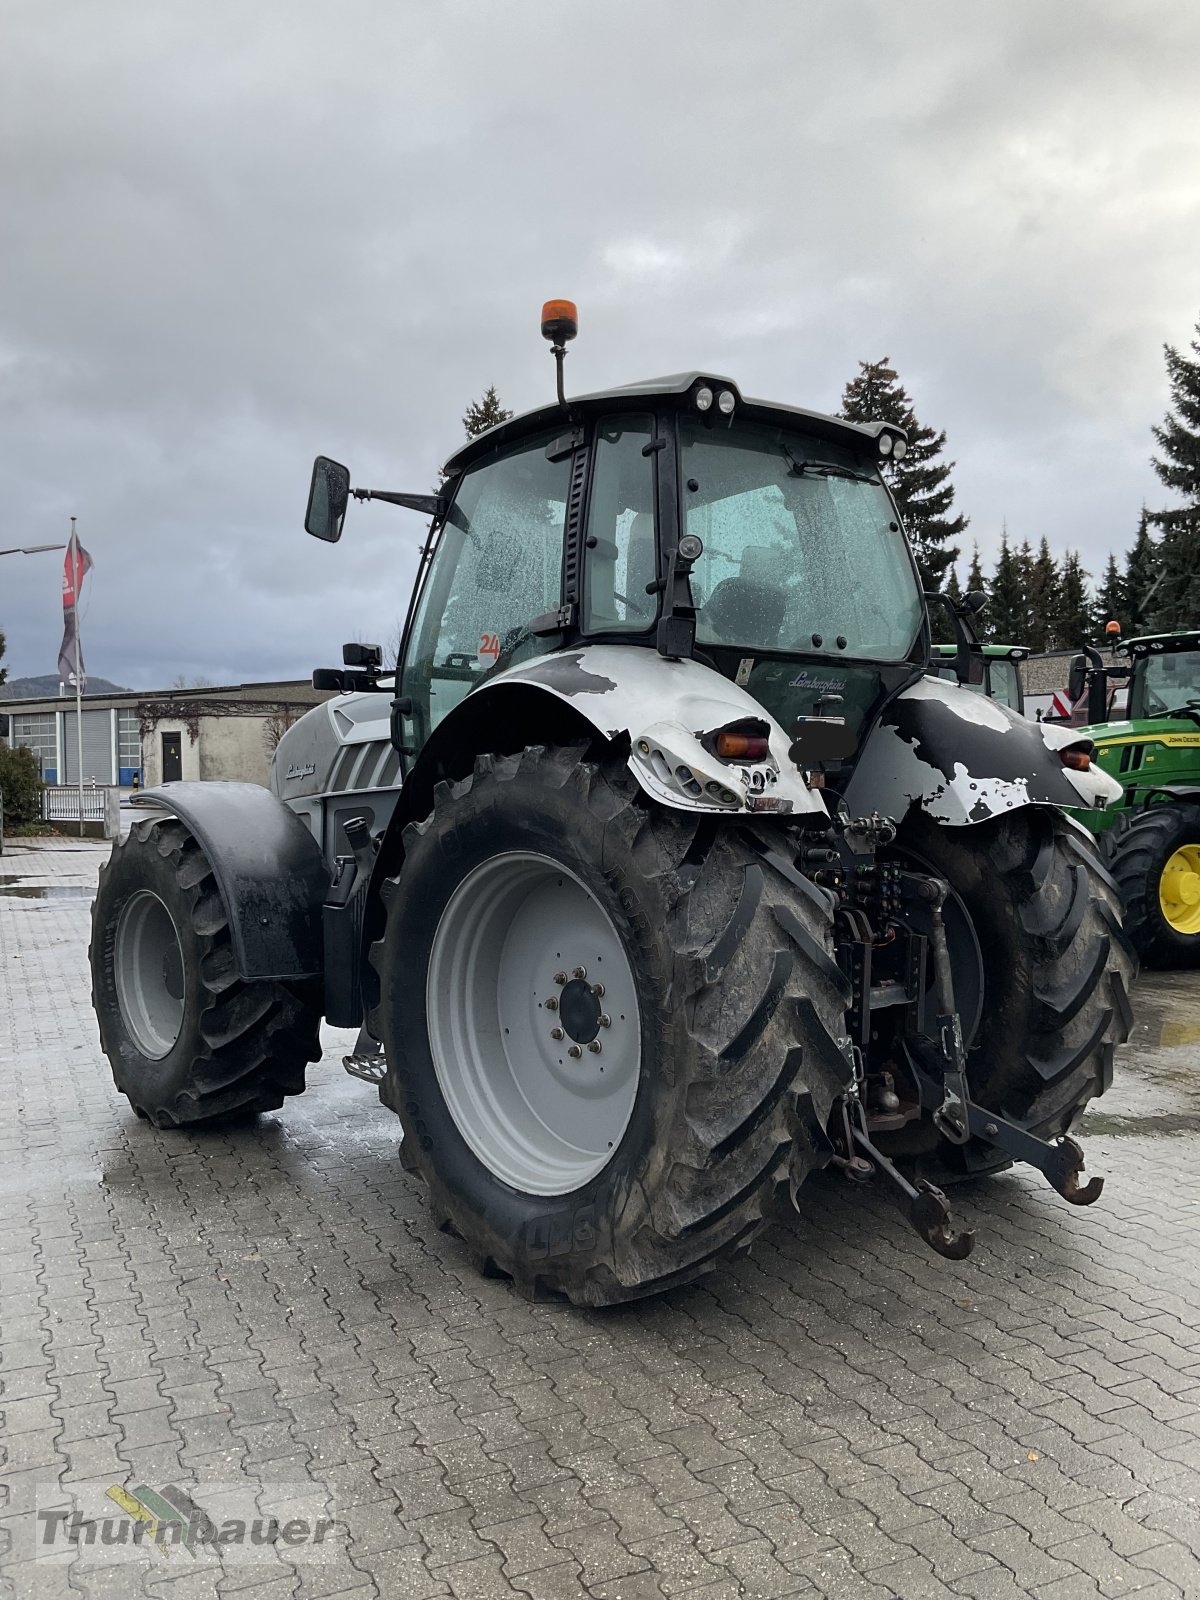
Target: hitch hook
column 1063, row 1174
column 924, row 1205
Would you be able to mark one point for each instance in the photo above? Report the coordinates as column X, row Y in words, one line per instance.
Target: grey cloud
column 235, row 236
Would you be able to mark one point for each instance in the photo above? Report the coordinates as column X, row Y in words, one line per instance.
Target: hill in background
column 47, row 684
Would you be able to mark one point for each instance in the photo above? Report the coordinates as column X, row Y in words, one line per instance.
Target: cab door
column 496, row 568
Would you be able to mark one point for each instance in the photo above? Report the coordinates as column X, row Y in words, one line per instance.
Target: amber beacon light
column 560, row 323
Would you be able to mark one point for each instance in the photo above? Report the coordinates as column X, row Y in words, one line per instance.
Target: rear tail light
column 742, row 747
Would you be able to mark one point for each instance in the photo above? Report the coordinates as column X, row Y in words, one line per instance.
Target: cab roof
column 1182, row 639
column 635, row 396
column 1005, row 652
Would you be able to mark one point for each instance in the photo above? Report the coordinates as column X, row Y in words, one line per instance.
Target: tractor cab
column 678, row 517
column 1155, row 749
column 1001, row 679
column 1151, row 835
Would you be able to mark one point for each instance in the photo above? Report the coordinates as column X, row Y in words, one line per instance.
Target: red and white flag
column 76, row 566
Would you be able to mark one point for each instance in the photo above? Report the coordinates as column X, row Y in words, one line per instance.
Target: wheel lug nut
column 598, row 990
column 594, row 1047
column 556, row 1033
column 579, row 972
column 574, row 1052
column 560, row 978
column 552, row 1003
column 605, row 1020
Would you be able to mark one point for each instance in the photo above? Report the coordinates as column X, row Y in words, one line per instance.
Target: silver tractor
column 661, row 873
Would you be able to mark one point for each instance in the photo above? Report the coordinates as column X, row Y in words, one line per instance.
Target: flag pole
column 76, row 586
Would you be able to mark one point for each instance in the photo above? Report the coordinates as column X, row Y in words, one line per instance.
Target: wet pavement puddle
column 16, row 888
column 1156, row 1085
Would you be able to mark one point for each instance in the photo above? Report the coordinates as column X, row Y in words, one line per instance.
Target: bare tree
column 277, row 724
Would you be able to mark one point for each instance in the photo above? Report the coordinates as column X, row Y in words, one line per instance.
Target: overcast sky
column 232, row 236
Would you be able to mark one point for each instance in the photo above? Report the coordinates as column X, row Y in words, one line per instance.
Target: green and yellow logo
column 169, row 1519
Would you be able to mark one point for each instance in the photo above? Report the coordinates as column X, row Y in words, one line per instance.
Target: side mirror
column 975, row 601
column 328, row 497
column 1077, row 678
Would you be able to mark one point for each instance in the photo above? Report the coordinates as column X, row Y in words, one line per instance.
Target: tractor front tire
column 611, row 1029
column 1056, row 968
column 1155, row 861
column 188, row 1041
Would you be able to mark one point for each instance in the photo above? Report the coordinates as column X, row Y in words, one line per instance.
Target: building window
column 38, row 733
column 129, row 740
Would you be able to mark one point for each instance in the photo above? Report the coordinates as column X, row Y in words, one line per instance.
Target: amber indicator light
column 742, row 747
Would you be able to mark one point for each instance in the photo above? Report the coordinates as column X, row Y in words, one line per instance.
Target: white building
column 226, row 731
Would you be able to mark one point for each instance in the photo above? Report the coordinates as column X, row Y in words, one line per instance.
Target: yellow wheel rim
column 1179, row 889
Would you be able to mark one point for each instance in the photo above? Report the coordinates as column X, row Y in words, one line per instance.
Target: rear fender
column 269, row 869
column 663, row 708
column 963, row 758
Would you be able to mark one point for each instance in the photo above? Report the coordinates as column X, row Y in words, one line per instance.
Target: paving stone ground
column 843, row 1414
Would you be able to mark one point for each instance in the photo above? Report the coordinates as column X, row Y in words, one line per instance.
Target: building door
column 97, row 748
column 172, row 757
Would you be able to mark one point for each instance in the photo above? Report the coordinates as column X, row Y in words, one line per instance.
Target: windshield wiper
column 823, row 469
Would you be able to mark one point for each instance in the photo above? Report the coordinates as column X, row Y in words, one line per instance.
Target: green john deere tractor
column 1001, row 680
column 1151, row 836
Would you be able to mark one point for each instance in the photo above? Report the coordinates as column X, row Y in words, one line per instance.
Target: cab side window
column 619, row 555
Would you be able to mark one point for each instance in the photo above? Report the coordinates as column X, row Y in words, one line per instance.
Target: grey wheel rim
column 148, row 965
column 533, row 1023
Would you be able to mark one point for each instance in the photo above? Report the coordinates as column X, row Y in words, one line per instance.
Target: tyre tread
column 763, row 1003
column 253, row 1041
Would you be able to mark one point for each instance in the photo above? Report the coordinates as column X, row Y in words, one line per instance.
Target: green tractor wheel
column 1155, row 860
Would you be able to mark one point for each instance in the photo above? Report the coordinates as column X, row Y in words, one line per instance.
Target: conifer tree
column 1176, row 603
column 1023, row 619
column 1140, row 578
column 1043, row 587
column 942, row 627
column 1073, row 613
column 1006, row 602
column 485, row 413
column 1110, row 603
column 978, row 584
column 480, row 415
column 921, row 481
column 3, row 670
column 975, row 578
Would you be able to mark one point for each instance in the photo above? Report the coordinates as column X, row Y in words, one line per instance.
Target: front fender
column 963, row 758
column 270, row 873
column 664, row 708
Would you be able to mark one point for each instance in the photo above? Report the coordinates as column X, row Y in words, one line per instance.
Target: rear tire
column 187, row 1040
column 1057, row 968
column 739, row 1004
column 1155, row 861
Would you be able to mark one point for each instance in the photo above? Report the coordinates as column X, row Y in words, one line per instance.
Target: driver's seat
column 748, row 609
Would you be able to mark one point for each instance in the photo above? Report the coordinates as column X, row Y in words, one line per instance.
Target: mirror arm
column 431, row 505
column 676, row 634
column 966, row 639
column 1097, row 685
